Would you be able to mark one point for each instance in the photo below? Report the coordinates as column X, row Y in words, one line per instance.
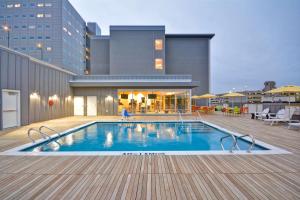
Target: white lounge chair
column 294, row 124
column 281, row 116
column 262, row 115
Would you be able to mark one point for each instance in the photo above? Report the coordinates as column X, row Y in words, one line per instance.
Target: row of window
column 159, row 63
column 31, row 26
column 32, row 48
column 32, row 37
column 32, row 5
column 38, row 15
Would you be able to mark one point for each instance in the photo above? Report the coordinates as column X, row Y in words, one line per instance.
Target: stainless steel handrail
column 31, row 130
column 252, row 139
column 180, row 116
column 233, row 143
column 46, row 127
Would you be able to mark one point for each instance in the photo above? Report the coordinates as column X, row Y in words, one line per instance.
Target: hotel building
column 140, row 68
column 49, row 30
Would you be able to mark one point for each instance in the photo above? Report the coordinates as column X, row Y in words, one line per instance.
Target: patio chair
column 281, row 116
column 125, row 114
column 236, row 110
column 262, row 115
column 294, row 124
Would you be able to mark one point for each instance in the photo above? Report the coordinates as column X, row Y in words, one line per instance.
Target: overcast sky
column 255, row 41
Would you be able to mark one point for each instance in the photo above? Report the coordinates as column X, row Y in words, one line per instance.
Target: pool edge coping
column 16, row 151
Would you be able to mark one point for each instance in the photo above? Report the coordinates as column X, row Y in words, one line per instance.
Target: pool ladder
column 44, row 135
column 235, row 144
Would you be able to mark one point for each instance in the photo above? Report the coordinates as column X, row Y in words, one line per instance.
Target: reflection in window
column 158, row 44
column 159, row 63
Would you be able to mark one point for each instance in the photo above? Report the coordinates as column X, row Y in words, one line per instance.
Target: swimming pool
column 142, row 137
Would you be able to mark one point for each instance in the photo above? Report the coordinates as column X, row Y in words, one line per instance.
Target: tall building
column 145, row 70
column 49, row 30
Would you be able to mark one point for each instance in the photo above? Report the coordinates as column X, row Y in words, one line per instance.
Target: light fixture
column 34, row 95
column 68, row 98
column 109, row 98
column 55, row 97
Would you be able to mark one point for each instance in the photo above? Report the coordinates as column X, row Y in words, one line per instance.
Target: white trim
column 18, row 106
column 17, row 151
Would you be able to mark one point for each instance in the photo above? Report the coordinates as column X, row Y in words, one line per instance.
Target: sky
column 255, row 40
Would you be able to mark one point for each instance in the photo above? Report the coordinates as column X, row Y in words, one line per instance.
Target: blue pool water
column 158, row 136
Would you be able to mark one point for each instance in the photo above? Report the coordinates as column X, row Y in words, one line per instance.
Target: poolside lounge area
column 155, row 176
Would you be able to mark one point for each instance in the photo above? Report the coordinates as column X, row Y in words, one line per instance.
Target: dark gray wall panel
column 133, row 52
column 189, row 56
column 99, row 56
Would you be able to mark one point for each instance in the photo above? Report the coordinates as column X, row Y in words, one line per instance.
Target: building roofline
column 207, row 35
column 136, row 28
column 59, row 68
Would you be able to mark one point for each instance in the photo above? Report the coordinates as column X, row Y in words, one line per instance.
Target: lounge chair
column 281, row 116
column 262, row 115
column 125, row 114
column 294, row 124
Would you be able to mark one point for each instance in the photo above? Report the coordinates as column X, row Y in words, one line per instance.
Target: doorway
column 91, row 106
column 78, row 106
column 11, row 111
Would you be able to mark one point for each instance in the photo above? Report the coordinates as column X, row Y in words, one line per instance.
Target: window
column 31, row 37
column 48, row 4
column 23, row 15
column 158, row 44
column 39, row 15
column 49, row 48
column 17, row 5
column 47, row 26
column 31, row 15
column 9, row 5
column 31, row 27
column 48, row 38
column 16, row 26
column 48, row 15
column 40, row 5
column 159, row 63
column 24, row 26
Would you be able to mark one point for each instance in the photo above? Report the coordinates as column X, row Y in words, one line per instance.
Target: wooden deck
column 158, row 176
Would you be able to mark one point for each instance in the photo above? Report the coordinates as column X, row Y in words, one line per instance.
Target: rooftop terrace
column 157, row 176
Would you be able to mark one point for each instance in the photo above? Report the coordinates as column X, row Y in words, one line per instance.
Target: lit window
column 17, row 5
column 65, row 29
column 40, row 5
column 31, row 27
column 49, row 48
column 158, row 44
column 10, row 5
column 69, row 33
column 40, row 15
column 48, row 15
column 159, row 63
column 48, row 4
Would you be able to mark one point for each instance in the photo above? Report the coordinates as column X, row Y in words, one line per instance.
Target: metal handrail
column 44, row 135
column 180, row 116
column 46, row 127
column 233, row 143
column 251, row 145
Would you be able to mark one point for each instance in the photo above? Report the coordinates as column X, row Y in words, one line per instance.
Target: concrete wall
column 105, row 106
column 99, row 57
column 189, row 56
column 132, row 51
column 20, row 72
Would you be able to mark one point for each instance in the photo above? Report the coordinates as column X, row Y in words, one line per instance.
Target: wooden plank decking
column 158, row 176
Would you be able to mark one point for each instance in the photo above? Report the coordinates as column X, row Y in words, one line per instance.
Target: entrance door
column 91, row 106
column 11, row 108
column 78, row 106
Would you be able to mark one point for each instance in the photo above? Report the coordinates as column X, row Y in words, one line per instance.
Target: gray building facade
column 49, row 30
column 145, row 70
column 35, row 84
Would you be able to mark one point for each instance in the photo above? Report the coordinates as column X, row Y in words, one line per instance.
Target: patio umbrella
column 206, row 96
column 232, row 95
column 286, row 89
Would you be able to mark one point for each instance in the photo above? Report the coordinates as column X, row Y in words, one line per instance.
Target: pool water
column 158, row 136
